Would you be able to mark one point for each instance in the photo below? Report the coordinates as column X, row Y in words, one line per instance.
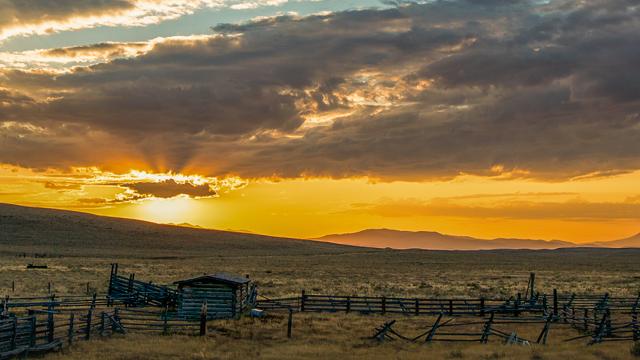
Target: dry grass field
column 328, row 336
column 283, row 268
column 324, row 336
column 384, row 272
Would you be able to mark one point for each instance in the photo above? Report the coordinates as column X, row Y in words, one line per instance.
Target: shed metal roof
column 227, row 278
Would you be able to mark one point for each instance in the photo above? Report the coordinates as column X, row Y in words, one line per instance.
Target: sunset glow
column 305, row 118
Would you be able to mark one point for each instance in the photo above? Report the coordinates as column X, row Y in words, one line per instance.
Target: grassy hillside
column 58, row 232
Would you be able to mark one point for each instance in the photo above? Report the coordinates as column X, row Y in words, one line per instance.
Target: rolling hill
column 39, row 230
column 382, row 238
column 60, row 232
column 630, row 242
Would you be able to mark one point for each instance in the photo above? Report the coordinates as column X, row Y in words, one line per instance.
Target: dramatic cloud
column 24, row 17
column 496, row 88
column 170, row 188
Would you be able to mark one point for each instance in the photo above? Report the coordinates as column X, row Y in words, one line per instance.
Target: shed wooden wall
column 222, row 300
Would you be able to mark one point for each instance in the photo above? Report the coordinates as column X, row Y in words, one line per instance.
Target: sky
column 300, row 118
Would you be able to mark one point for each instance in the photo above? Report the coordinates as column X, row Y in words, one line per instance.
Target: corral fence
column 558, row 305
column 597, row 318
column 39, row 331
column 31, row 325
column 133, row 292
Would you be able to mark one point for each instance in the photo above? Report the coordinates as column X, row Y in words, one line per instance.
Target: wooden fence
column 138, row 293
column 48, row 330
column 539, row 304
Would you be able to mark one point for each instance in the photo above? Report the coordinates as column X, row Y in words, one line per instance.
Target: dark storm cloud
column 170, row 188
column 433, row 90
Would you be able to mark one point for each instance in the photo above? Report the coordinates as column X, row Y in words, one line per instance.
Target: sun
column 175, row 210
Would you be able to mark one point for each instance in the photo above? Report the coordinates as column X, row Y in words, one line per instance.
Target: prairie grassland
column 324, row 336
column 329, row 336
column 400, row 273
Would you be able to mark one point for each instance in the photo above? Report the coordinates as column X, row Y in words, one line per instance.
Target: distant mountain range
column 29, row 230
column 397, row 239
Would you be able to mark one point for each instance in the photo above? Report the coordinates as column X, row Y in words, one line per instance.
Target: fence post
column 50, row 327
column 516, row 305
column 482, row 306
column 532, row 280
column 634, row 325
column 417, row 306
column 384, row 305
column 203, row 319
column 93, row 301
column 303, row 299
column 545, row 331
column 13, row 286
column 49, row 288
column 486, row 331
column 165, row 321
column 87, row 334
column 14, row 333
column 5, row 306
column 116, row 318
column 32, row 336
column 290, row 323
column 102, row 323
column 434, row 327
column 450, row 307
column 348, row 303
column 586, row 319
column 71, row 332
column 555, row 304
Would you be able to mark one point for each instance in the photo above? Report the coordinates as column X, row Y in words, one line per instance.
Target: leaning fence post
column 487, row 330
column 545, row 331
column 290, row 323
column 203, row 319
column 116, row 319
column 71, row 332
column 432, row 333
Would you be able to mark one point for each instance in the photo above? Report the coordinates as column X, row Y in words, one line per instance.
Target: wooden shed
column 226, row 295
